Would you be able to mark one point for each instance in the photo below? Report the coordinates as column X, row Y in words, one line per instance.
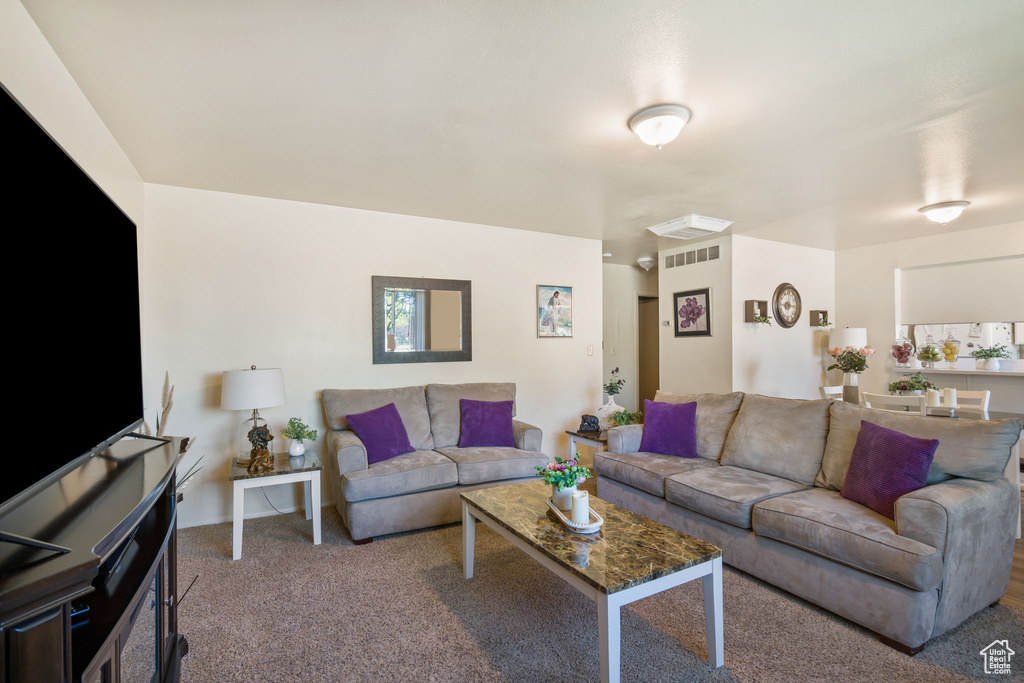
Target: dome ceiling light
column 646, row 262
column 659, row 125
column 944, row 212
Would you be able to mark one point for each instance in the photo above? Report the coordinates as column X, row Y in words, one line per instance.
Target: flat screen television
column 73, row 317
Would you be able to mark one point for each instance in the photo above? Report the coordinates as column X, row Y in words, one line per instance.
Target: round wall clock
column 786, row 305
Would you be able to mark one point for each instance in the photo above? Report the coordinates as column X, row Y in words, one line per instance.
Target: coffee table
column 630, row 558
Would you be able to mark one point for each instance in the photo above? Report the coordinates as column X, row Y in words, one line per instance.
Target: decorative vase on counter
column 902, row 350
column 296, row 447
column 851, row 391
column 562, row 499
column 604, row 414
column 950, row 351
column 992, row 364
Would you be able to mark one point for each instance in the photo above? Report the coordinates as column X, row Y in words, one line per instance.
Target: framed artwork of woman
column 554, row 311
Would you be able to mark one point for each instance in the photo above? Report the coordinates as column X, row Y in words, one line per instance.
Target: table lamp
column 251, row 390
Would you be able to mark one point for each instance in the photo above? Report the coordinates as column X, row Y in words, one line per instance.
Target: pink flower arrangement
column 850, row 358
column 563, row 473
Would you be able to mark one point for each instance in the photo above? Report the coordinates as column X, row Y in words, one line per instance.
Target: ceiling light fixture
column 944, row 212
column 646, row 262
column 660, row 124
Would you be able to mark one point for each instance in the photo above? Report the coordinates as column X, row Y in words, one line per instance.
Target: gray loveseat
column 766, row 489
column 420, row 489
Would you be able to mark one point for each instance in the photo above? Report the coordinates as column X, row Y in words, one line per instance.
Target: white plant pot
column 296, row 448
column 562, row 499
column 604, row 414
column 992, row 364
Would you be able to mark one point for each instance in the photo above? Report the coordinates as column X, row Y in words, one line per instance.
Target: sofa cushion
column 410, row 401
column 446, row 412
column 670, row 428
column 825, row 523
column 715, row 415
column 407, row 473
column 493, row 463
column 645, row 471
column 975, row 449
column 486, row 423
column 780, row 436
column 727, row 494
column 382, row 433
column 885, row 465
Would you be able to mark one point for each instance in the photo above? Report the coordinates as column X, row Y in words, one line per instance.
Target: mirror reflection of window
column 422, row 320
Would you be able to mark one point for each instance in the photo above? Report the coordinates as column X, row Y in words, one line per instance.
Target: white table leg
column 713, row 627
column 238, row 503
column 468, row 540
column 314, row 506
column 572, row 447
column 609, row 637
column 307, row 490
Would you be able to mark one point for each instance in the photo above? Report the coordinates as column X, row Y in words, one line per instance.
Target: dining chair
column 974, row 402
column 911, row 404
column 835, row 393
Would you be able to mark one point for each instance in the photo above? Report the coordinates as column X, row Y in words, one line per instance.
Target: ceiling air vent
column 689, row 227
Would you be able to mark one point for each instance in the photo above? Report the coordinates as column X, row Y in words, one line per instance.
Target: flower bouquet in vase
column 564, row 476
column 852, row 361
column 911, row 385
column 604, row 413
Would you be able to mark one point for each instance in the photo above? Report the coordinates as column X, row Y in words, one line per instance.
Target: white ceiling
column 826, row 124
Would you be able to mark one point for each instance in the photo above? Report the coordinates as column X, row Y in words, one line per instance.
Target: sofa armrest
column 973, row 524
column 527, row 437
column 625, row 439
column 347, row 450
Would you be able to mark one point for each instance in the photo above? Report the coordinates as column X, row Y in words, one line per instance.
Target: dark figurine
column 589, row 423
column 260, row 458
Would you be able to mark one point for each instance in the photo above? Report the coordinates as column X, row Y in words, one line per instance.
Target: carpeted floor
column 398, row 609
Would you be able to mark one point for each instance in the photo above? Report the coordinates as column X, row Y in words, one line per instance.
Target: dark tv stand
column 32, row 543
column 106, row 610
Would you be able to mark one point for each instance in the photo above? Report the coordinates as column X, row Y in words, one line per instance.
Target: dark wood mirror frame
column 380, row 283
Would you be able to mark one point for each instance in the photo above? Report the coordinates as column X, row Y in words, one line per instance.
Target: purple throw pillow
column 670, row 428
column 885, row 465
column 382, row 432
column 486, row 423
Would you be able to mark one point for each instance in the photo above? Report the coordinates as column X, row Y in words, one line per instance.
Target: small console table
column 305, row 468
column 595, row 439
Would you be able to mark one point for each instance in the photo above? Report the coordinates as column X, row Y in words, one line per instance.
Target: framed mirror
column 421, row 320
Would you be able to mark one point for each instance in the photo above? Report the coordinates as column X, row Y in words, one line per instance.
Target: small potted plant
column 604, row 413
column 298, row 432
column 987, row 357
column 911, row 385
column 624, row 417
column 564, row 477
column 764, row 319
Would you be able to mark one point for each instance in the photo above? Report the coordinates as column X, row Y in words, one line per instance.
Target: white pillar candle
column 581, row 507
column 933, row 397
column 949, row 396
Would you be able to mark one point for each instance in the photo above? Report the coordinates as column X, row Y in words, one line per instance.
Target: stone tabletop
column 282, row 465
column 596, row 436
column 628, row 550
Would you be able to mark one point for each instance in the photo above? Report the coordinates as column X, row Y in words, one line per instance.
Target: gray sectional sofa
column 420, row 489
column 766, row 489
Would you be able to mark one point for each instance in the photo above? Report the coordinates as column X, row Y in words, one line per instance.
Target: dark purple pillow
column 885, row 465
column 670, row 428
column 382, row 432
column 486, row 423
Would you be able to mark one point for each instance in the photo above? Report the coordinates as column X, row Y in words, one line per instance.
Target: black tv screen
column 73, row 318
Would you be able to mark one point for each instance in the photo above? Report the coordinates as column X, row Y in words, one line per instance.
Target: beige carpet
column 398, row 609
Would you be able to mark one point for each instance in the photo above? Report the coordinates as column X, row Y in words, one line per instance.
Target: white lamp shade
column 857, row 337
column 252, row 389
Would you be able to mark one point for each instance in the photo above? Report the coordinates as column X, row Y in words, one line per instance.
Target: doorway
column 647, row 349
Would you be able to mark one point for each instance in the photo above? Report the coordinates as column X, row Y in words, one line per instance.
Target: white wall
column 31, row 71
column 698, row 364
column 867, row 293
column 233, row 280
column 622, row 286
column 772, row 360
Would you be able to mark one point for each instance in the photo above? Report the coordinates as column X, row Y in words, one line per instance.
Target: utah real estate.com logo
column 997, row 657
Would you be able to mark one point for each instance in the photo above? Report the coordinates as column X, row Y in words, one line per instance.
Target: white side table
column 305, row 468
column 596, row 439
